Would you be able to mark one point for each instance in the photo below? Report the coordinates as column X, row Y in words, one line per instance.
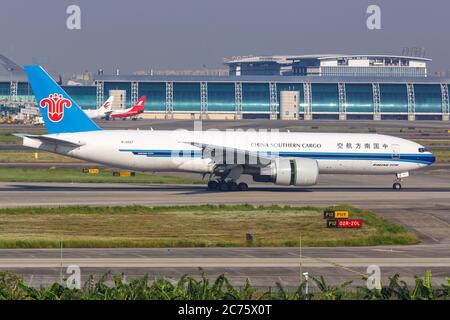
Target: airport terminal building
column 313, row 86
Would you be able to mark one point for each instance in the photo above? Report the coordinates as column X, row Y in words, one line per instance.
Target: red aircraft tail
column 139, row 106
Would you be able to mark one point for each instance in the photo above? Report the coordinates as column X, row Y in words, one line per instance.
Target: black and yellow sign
column 328, row 214
column 332, row 223
column 335, row 214
column 91, row 171
column 341, row 214
column 124, row 174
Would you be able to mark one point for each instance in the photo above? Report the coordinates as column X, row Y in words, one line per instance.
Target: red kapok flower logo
column 55, row 104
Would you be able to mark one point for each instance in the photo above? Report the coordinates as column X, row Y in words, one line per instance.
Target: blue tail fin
column 59, row 111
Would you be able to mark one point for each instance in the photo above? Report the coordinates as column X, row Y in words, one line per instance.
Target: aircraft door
column 395, row 150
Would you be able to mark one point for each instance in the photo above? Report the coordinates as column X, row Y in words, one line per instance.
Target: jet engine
column 290, row 171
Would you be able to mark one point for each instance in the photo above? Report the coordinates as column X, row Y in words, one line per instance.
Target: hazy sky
column 184, row 34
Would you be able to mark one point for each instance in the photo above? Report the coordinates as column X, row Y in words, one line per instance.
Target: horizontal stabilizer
column 46, row 139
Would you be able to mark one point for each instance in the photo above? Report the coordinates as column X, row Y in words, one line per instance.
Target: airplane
column 103, row 112
column 282, row 158
column 132, row 112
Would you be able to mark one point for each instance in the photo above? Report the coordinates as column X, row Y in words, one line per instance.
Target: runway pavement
column 265, row 266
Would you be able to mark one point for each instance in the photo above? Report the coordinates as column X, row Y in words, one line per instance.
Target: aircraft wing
column 233, row 156
column 52, row 140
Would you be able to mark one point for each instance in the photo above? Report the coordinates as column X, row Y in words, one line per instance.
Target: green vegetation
column 76, row 175
column 189, row 226
column 6, row 138
column 33, row 157
column 442, row 155
column 13, row 287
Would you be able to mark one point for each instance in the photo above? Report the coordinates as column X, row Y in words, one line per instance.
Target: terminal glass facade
column 393, row 98
column 221, row 97
column 156, row 95
column 84, row 96
column 255, row 97
column 4, row 90
column 428, row 98
column 186, row 96
column 359, row 97
column 325, row 97
column 373, row 71
column 24, row 92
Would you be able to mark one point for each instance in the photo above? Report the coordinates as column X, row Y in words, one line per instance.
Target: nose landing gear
column 397, row 186
column 398, row 179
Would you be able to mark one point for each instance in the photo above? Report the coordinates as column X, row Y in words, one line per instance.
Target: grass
column 75, row 175
column 189, row 226
column 7, row 138
column 442, row 156
column 33, row 157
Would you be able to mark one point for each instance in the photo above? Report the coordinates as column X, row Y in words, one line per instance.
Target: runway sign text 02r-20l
column 344, row 223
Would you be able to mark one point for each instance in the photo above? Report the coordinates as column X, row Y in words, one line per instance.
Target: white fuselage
column 97, row 113
column 171, row 150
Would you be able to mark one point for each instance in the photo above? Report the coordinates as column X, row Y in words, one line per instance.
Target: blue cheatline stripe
column 404, row 157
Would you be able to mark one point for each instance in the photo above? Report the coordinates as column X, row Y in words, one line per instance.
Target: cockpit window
column 422, row 150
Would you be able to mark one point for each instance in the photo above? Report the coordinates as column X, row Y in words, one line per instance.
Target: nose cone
column 425, row 155
column 432, row 158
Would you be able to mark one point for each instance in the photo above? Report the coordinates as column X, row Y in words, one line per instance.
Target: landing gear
column 212, row 185
column 397, row 186
column 223, row 186
column 227, row 186
column 398, row 179
column 242, row 186
column 226, row 179
column 232, row 186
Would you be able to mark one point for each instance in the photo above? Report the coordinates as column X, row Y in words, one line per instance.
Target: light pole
column 306, row 275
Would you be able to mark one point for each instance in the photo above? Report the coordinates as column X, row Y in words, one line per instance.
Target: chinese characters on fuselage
column 360, row 146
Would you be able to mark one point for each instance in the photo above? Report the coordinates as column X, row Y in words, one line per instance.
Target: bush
column 12, row 287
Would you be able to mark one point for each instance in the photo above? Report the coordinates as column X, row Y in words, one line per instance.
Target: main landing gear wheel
column 227, row 186
column 223, row 186
column 242, row 186
column 232, row 186
column 396, row 186
column 213, row 185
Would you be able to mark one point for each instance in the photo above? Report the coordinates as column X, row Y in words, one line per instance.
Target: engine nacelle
column 291, row 171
